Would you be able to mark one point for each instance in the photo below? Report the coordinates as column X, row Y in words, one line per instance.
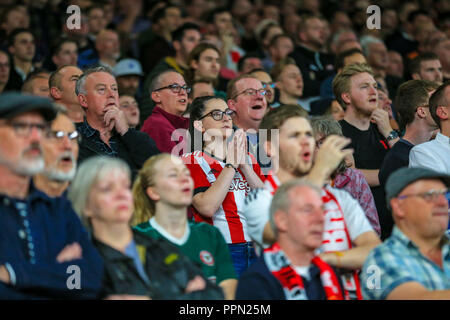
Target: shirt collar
column 86, row 130
column 441, row 138
column 399, row 236
column 33, row 195
column 168, row 236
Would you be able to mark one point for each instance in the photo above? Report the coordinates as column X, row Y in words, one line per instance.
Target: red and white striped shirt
column 228, row 218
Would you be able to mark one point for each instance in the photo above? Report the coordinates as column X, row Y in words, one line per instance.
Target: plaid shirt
column 397, row 261
column 87, row 132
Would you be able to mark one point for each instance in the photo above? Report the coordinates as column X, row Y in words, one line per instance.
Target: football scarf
column 280, row 267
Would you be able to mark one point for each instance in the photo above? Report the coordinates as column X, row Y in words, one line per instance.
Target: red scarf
column 292, row 283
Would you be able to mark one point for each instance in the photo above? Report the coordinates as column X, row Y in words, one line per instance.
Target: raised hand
column 381, row 118
column 115, row 118
column 328, row 158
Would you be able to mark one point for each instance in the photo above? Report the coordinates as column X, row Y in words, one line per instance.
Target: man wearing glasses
column 105, row 130
column 170, row 93
column 60, row 151
column 40, row 237
column 414, row 262
column 435, row 154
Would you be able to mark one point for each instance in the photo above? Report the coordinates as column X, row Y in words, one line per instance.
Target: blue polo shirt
column 398, row 260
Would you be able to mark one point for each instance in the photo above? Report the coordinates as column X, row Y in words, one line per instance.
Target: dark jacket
column 134, row 147
column 167, row 269
column 32, row 255
column 315, row 67
column 258, row 283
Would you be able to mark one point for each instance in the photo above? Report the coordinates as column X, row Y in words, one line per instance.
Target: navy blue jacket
column 32, row 234
column 258, row 283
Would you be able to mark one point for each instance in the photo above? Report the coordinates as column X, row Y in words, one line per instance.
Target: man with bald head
column 62, row 89
column 170, row 93
column 105, row 129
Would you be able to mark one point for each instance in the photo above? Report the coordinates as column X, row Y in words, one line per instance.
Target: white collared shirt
column 434, row 155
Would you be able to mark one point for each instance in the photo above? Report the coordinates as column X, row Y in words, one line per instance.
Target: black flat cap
column 403, row 177
column 15, row 103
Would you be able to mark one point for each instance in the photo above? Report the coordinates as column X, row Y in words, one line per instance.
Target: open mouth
column 257, row 107
column 186, row 190
column 182, row 101
column 66, row 160
column 306, row 156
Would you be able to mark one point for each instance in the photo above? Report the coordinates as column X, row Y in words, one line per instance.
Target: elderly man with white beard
column 41, row 238
column 60, row 151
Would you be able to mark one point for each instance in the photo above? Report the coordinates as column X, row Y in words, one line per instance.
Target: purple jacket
column 160, row 126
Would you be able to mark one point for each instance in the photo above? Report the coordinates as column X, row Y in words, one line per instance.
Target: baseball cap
column 403, row 177
column 127, row 67
column 14, row 103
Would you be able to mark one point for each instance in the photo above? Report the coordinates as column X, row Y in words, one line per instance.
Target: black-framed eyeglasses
column 23, row 129
column 175, row 88
column 218, row 114
column 429, row 196
column 251, row 92
column 73, row 136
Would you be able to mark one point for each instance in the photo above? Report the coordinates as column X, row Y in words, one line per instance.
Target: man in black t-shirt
column 368, row 126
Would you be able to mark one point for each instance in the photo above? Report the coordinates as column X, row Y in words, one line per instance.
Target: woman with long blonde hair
column 162, row 194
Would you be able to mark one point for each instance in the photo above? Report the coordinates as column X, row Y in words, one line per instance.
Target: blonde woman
column 162, row 194
column 136, row 266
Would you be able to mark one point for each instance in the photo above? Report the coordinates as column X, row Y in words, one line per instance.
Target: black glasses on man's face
column 251, row 92
column 218, row 114
column 23, row 129
column 430, row 196
column 175, row 88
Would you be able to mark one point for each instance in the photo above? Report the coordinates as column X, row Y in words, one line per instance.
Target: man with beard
column 316, row 66
column 368, row 126
column 348, row 236
column 41, row 238
column 60, row 151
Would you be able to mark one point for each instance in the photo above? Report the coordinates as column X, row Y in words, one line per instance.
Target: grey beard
column 30, row 168
column 24, row 167
column 60, row 176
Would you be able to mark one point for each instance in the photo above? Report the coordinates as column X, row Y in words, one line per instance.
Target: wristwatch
column 392, row 135
column 229, row 165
